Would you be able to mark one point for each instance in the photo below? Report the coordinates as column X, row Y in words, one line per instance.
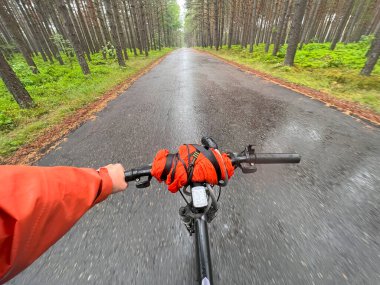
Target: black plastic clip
column 143, row 183
column 246, row 167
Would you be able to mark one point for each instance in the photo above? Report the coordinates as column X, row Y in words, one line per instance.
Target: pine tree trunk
column 15, row 32
column 14, row 84
column 277, row 40
column 342, row 24
column 119, row 27
column 95, row 23
column 136, row 25
column 87, row 37
column 113, row 32
column 41, row 9
column 130, row 27
column 104, row 29
column 144, row 27
column 372, row 56
column 272, row 22
column 253, row 27
column 73, row 37
column 295, row 31
column 231, row 28
column 221, row 29
column 209, row 24
column 216, row 24
column 284, row 32
column 39, row 31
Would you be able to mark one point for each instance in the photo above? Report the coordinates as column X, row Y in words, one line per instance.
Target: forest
column 329, row 45
column 58, row 56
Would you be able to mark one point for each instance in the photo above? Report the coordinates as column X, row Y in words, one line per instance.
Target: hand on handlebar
column 116, row 172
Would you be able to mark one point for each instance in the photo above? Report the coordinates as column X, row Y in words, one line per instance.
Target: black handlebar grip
column 136, row 173
column 269, row 158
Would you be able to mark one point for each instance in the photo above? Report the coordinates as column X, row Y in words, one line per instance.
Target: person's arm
column 38, row 205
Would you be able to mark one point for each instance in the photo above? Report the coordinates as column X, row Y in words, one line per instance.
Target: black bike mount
column 187, row 219
column 208, row 142
column 143, row 183
column 248, row 152
column 189, row 213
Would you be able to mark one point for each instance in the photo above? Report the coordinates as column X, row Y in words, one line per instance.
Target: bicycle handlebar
column 267, row 158
column 236, row 159
column 137, row 173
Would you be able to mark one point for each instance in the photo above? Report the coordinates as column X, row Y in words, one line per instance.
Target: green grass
column 316, row 66
column 58, row 91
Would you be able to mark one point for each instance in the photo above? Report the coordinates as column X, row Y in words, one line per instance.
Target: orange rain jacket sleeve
column 38, row 205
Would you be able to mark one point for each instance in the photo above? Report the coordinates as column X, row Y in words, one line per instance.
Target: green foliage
column 109, row 50
column 6, row 123
column 8, row 49
column 316, row 66
column 58, row 90
column 171, row 16
column 63, row 45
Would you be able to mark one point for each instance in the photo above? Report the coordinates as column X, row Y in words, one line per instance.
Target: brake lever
column 143, row 183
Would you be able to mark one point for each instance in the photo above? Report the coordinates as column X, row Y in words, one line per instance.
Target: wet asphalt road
column 313, row 223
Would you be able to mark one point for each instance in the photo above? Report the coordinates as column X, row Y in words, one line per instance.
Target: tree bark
column 216, row 25
column 136, row 25
column 119, row 27
column 99, row 15
column 277, row 41
column 372, row 56
column 295, row 31
column 87, row 37
column 231, row 28
column 130, row 27
column 342, row 24
column 209, row 24
column 144, row 28
column 113, row 32
column 14, row 84
column 253, row 27
column 73, row 37
column 15, row 32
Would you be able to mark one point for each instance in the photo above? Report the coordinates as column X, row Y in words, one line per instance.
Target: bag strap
column 168, row 166
column 211, row 157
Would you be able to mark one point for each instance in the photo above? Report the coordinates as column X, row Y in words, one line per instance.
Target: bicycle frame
column 202, row 249
column 196, row 221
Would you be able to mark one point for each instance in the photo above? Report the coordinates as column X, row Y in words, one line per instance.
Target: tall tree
column 143, row 22
column 231, row 28
column 342, row 23
column 372, row 55
column 253, row 26
column 73, row 37
column 16, row 33
column 113, row 32
column 119, row 27
column 277, row 40
column 295, row 31
column 14, row 84
column 216, row 25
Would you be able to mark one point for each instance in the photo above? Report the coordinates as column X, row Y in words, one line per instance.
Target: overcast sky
column 181, row 4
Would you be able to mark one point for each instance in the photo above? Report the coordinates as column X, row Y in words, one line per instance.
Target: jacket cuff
column 105, row 186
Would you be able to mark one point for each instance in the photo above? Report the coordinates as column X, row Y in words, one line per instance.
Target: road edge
column 50, row 138
column 352, row 109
